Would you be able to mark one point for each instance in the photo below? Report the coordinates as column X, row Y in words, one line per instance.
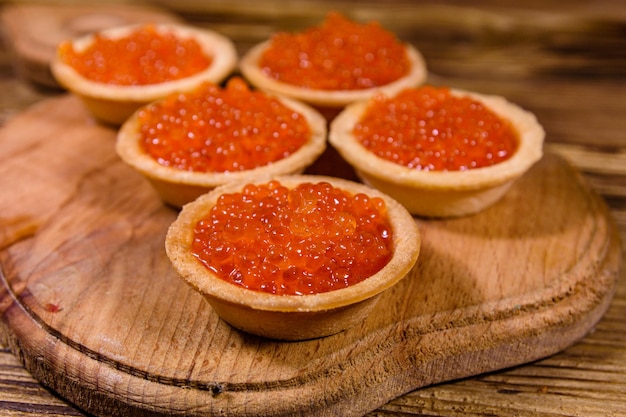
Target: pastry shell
column 291, row 317
column 329, row 101
column 113, row 104
column 443, row 193
column 177, row 187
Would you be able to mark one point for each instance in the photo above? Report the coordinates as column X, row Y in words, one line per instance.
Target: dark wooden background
column 564, row 60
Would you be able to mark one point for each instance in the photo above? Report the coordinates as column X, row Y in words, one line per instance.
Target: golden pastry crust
column 443, row 193
column 291, row 317
column 115, row 103
column 177, row 187
column 249, row 66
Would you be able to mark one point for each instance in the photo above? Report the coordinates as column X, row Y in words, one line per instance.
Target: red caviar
column 221, row 130
column 428, row 128
column 310, row 239
column 145, row 56
column 337, row 55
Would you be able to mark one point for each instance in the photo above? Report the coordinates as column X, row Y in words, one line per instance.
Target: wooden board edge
column 26, row 338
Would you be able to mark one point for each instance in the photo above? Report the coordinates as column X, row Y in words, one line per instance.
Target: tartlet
column 113, row 103
column 177, row 185
column 442, row 193
column 291, row 316
column 330, row 99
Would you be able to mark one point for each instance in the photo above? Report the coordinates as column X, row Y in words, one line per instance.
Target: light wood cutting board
column 93, row 308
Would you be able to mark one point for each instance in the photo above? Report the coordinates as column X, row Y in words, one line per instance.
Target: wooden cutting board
column 93, row 308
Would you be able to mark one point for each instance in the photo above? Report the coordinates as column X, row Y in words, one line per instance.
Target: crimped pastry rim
column 531, row 136
column 219, row 47
column 180, row 235
column 129, row 150
column 249, row 67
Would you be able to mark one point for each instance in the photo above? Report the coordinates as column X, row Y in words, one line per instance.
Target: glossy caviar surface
column 145, row 56
column 337, row 55
column 430, row 129
column 309, row 239
column 215, row 129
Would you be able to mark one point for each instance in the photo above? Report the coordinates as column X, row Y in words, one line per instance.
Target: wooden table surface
column 565, row 61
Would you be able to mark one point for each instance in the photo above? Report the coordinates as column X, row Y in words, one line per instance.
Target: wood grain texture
column 98, row 314
column 563, row 60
